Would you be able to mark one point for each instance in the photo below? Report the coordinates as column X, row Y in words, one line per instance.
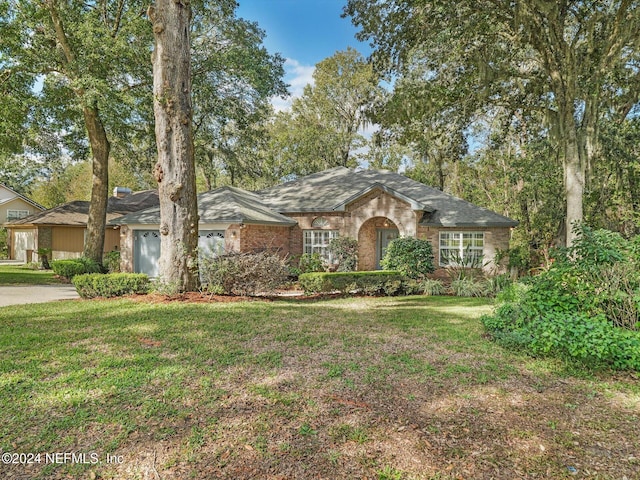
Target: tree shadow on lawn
column 270, row 390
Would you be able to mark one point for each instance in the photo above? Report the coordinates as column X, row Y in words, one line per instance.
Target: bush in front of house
column 344, row 251
column 381, row 282
column 75, row 266
column 585, row 307
column 92, row 285
column 111, row 261
column 244, row 273
column 311, row 262
column 410, row 256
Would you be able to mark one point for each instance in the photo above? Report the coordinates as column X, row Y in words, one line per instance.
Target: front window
column 461, row 249
column 16, row 214
column 317, row 241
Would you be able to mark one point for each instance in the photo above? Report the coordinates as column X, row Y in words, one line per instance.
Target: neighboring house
column 302, row 216
column 63, row 228
column 14, row 206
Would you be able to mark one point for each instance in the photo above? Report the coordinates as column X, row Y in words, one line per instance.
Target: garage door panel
column 147, row 252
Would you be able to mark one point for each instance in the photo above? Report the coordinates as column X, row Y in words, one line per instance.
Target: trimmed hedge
column 92, row 285
column 75, row 266
column 387, row 282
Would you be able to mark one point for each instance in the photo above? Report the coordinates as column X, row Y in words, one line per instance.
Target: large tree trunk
column 100, row 147
column 574, row 177
column 175, row 170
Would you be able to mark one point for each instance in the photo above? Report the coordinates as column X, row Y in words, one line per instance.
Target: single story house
column 302, row 216
column 63, row 228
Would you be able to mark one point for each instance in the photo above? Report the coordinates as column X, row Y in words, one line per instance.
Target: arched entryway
column 373, row 238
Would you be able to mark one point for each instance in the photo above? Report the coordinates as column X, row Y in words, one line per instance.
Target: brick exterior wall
column 259, row 238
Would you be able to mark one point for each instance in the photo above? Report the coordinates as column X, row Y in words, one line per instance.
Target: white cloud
column 297, row 76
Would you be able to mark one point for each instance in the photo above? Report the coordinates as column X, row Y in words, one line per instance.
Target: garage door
column 23, row 241
column 147, row 248
column 210, row 243
column 146, row 252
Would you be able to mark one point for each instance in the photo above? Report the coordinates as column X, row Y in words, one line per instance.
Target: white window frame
column 317, row 241
column 16, row 214
column 464, row 245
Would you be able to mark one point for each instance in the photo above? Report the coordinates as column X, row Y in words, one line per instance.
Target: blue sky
column 302, row 31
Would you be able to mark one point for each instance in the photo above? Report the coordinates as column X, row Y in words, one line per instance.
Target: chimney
column 121, row 192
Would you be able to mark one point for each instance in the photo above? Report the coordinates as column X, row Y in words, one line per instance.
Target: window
column 461, row 249
column 320, row 222
column 16, row 214
column 317, row 241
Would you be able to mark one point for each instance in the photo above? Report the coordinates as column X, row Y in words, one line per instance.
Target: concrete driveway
column 23, row 294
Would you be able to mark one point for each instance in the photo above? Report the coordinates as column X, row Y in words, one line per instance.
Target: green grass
column 344, row 388
column 22, row 275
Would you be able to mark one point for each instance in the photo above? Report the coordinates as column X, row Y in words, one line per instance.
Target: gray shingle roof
column 76, row 213
column 332, row 190
column 222, row 205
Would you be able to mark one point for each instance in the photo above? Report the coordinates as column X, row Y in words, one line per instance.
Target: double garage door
column 147, row 248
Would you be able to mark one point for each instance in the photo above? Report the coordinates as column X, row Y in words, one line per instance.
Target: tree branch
column 61, row 36
column 118, row 19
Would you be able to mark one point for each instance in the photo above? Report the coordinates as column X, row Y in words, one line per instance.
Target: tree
column 234, row 79
column 323, row 128
column 175, row 170
column 80, row 61
column 576, row 60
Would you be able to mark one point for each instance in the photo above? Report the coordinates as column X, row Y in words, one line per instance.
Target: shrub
column 432, row 287
column 311, row 262
column 496, row 284
column 371, row 283
column 244, row 273
column 468, row 287
column 77, row 266
column 345, row 253
column 410, row 256
column 586, row 306
column 93, row 285
column 111, row 261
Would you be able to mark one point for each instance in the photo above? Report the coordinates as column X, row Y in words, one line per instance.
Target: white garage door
column 146, row 252
column 147, row 248
column 23, row 241
column 210, row 243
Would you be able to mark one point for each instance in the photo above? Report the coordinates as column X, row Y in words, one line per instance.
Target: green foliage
column 410, row 256
column 585, row 307
column 77, row 266
column 432, row 287
column 92, row 285
column 244, row 273
column 322, row 128
column 311, row 262
column 371, row 283
column 111, row 261
column 345, row 253
column 4, row 251
column 468, row 287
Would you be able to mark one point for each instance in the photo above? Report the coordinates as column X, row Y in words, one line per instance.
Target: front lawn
column 23, row 275
column 378, row 388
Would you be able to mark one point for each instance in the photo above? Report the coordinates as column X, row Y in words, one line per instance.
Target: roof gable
column 8, row 194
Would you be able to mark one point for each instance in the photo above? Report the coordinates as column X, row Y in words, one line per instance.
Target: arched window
column 320, row 222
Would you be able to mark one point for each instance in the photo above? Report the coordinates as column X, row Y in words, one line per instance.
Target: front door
column 384, row 237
